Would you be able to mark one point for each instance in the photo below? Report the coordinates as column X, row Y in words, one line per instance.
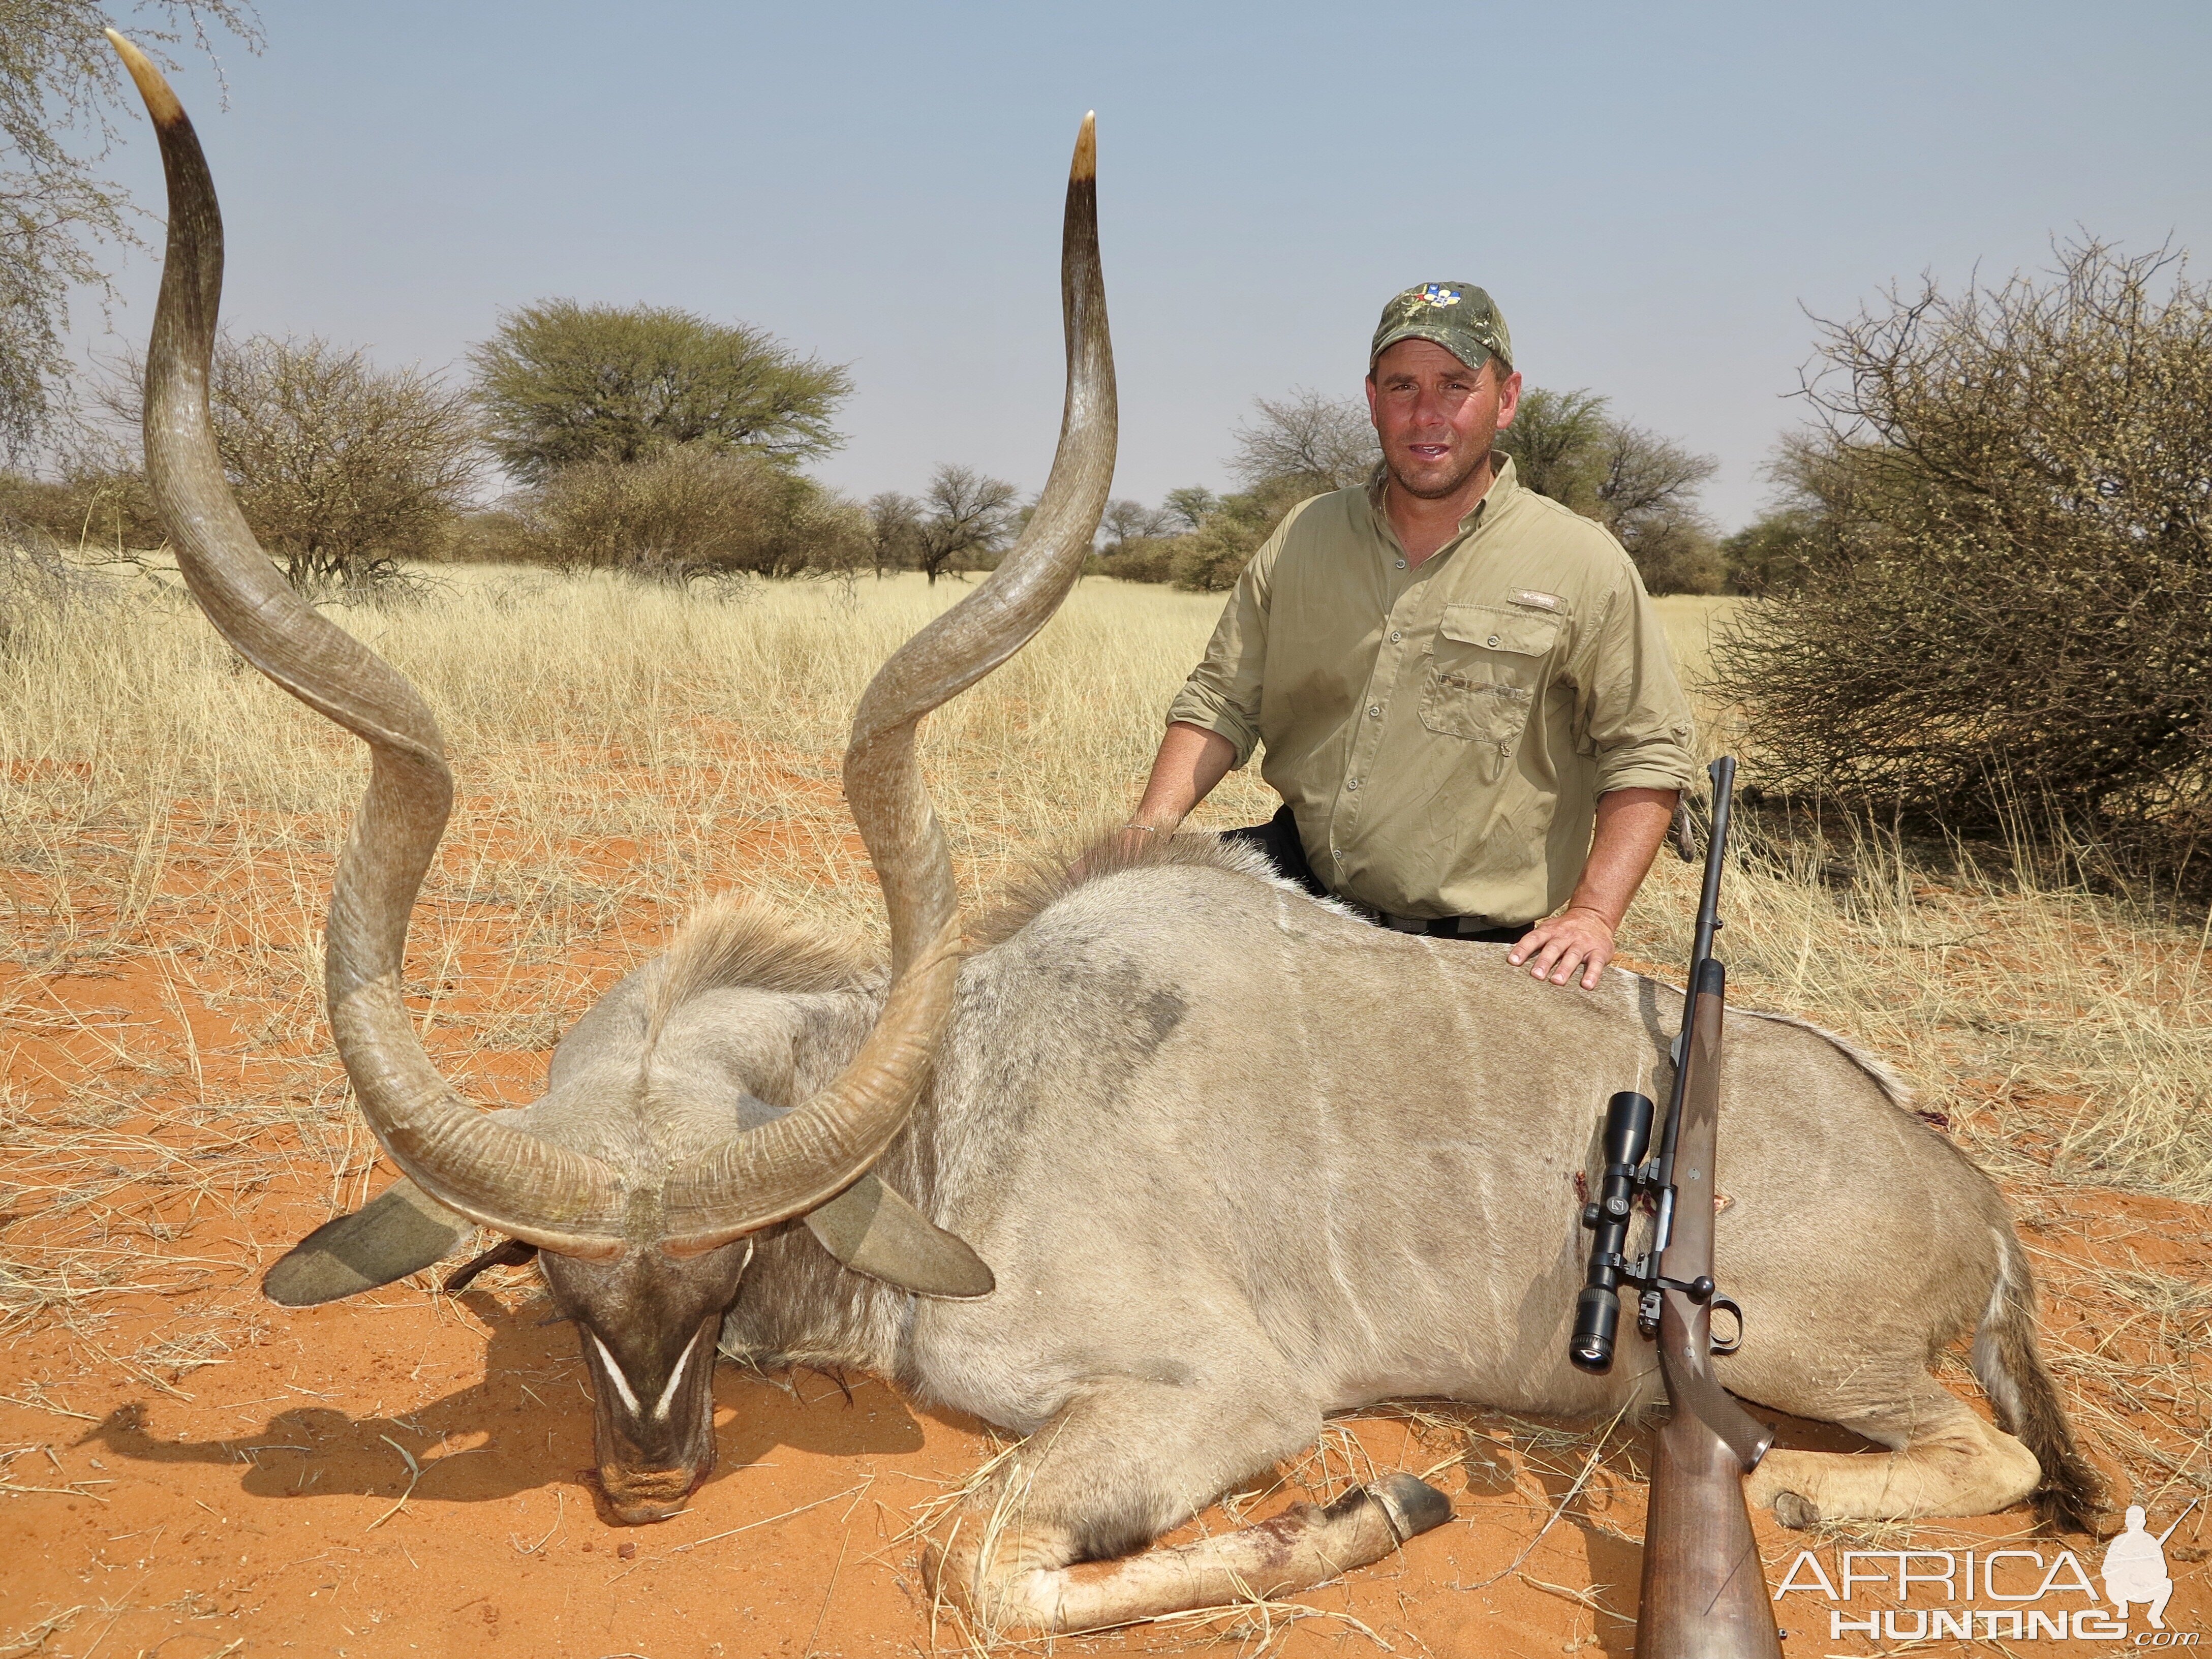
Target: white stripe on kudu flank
column 614, row 1373
column 660, row 1406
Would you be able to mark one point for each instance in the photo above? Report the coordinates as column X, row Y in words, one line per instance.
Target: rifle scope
column 1597, row 1309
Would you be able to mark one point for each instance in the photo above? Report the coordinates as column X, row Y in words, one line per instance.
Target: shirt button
column 1401, row 564
column 1395, row 636
column 1374, row 711
column 1351, row 783
column 1493, row 642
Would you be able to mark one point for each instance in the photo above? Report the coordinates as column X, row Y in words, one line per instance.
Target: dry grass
column 168, row 822
column 2065, row 1038
column 577, row 711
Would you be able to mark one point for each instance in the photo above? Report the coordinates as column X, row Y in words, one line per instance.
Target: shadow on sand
column 526, row 1426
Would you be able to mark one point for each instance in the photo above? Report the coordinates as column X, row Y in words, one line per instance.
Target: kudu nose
column 641, row 1497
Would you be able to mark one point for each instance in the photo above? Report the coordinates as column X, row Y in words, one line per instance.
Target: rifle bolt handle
column 1699, row 1290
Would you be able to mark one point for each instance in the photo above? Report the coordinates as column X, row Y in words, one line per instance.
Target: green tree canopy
column 1555, row 440
column 1642, row 487
column 563, row 383
column 689, row 512
column 1772, row 552
column 1187, row 508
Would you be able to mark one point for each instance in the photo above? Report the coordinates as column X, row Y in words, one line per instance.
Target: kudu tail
column 2010, row 1368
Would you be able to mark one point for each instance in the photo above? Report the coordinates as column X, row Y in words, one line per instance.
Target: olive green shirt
column 1442, row 731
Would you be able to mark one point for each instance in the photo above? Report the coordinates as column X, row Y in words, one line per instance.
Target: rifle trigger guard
column 1726, row 1304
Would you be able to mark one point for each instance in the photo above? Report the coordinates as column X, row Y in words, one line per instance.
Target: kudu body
column 1236, row 1160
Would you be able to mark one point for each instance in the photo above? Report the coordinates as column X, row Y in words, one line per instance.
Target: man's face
column 1436, row 416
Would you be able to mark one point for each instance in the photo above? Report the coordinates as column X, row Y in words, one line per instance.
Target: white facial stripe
column 614, row 1373
column 660, row 1406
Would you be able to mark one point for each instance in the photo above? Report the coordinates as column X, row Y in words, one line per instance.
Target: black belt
column 1481, row 930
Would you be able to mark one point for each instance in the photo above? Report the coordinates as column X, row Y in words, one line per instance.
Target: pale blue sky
column 1652, row 192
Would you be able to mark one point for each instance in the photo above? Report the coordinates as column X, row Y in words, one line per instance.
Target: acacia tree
column 894, row 531
column 562, row 383
column 964, row 515
column 689, row 512
column 1301, row 445
column 1185, row 508
column 339, row 466
column 1327, row 442
column 58, row 77
column 1640, row 486
column 2004, row 563
column 1126, row 521
column 1555, row 442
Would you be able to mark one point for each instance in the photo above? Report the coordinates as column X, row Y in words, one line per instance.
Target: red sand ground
column 191, row 1471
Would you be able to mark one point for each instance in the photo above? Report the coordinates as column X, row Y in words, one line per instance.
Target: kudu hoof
column 1413, row 1504
column 1794, row 1511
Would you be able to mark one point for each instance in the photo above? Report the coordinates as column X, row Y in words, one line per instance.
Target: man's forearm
column 1190, row 762
column 1631, row 824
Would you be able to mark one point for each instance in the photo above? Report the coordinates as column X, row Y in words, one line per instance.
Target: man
column 2134, row 1569
column 1464, row 694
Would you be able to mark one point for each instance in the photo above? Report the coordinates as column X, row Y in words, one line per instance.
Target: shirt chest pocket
column 1486, row 669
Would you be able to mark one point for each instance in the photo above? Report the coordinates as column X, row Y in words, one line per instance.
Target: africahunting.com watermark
column 2011, row 1594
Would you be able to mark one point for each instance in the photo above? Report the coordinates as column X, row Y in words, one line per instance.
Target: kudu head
column 643, row 1245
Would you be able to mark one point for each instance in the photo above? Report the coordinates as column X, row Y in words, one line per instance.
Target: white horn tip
column 1085, row 168
column 160, row 103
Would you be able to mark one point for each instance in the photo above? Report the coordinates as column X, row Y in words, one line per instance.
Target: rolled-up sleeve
column 1634, row 715
column 1223, row 692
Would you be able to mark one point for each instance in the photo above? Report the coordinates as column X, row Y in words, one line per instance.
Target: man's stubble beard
column 1452, row 487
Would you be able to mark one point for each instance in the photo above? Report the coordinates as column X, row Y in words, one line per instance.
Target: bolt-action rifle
column 1704, row 1594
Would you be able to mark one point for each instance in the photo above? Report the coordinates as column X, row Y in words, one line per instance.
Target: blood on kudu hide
column 1235, row 1160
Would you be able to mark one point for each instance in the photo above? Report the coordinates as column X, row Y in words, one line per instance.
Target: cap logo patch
column 1436, row 294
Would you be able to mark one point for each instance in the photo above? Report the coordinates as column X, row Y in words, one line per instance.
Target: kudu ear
column 402, row 1233
column 873, row 1231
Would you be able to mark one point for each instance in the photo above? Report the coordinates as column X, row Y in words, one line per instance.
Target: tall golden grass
column 623, row 750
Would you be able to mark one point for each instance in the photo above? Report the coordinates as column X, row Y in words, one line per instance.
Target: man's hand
column 1575, row 937
column 1190, row 762
column 1631, row 824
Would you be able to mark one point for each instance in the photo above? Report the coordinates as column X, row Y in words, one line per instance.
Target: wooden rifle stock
column 1703, row 1592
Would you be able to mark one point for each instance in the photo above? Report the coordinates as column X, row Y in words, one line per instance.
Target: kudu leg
column 1124, row 1463
column 1947, row 1461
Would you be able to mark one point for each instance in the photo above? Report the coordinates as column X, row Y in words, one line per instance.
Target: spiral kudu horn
column 788, row 1166
column 555, row 1199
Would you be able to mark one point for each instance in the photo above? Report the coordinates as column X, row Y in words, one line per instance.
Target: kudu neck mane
column 798, row 1305
column 1054, row 876
column 736, row 941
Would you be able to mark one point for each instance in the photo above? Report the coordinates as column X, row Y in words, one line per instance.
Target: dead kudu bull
column 1236, row 1160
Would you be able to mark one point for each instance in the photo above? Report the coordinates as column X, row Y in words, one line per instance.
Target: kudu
column 1236, row 1160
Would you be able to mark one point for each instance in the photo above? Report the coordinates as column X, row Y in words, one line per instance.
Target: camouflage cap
column 1457, row 316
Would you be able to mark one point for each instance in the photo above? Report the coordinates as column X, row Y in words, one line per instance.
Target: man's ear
column 1508, row 396
column 873, row 1231
column 403, row 1231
